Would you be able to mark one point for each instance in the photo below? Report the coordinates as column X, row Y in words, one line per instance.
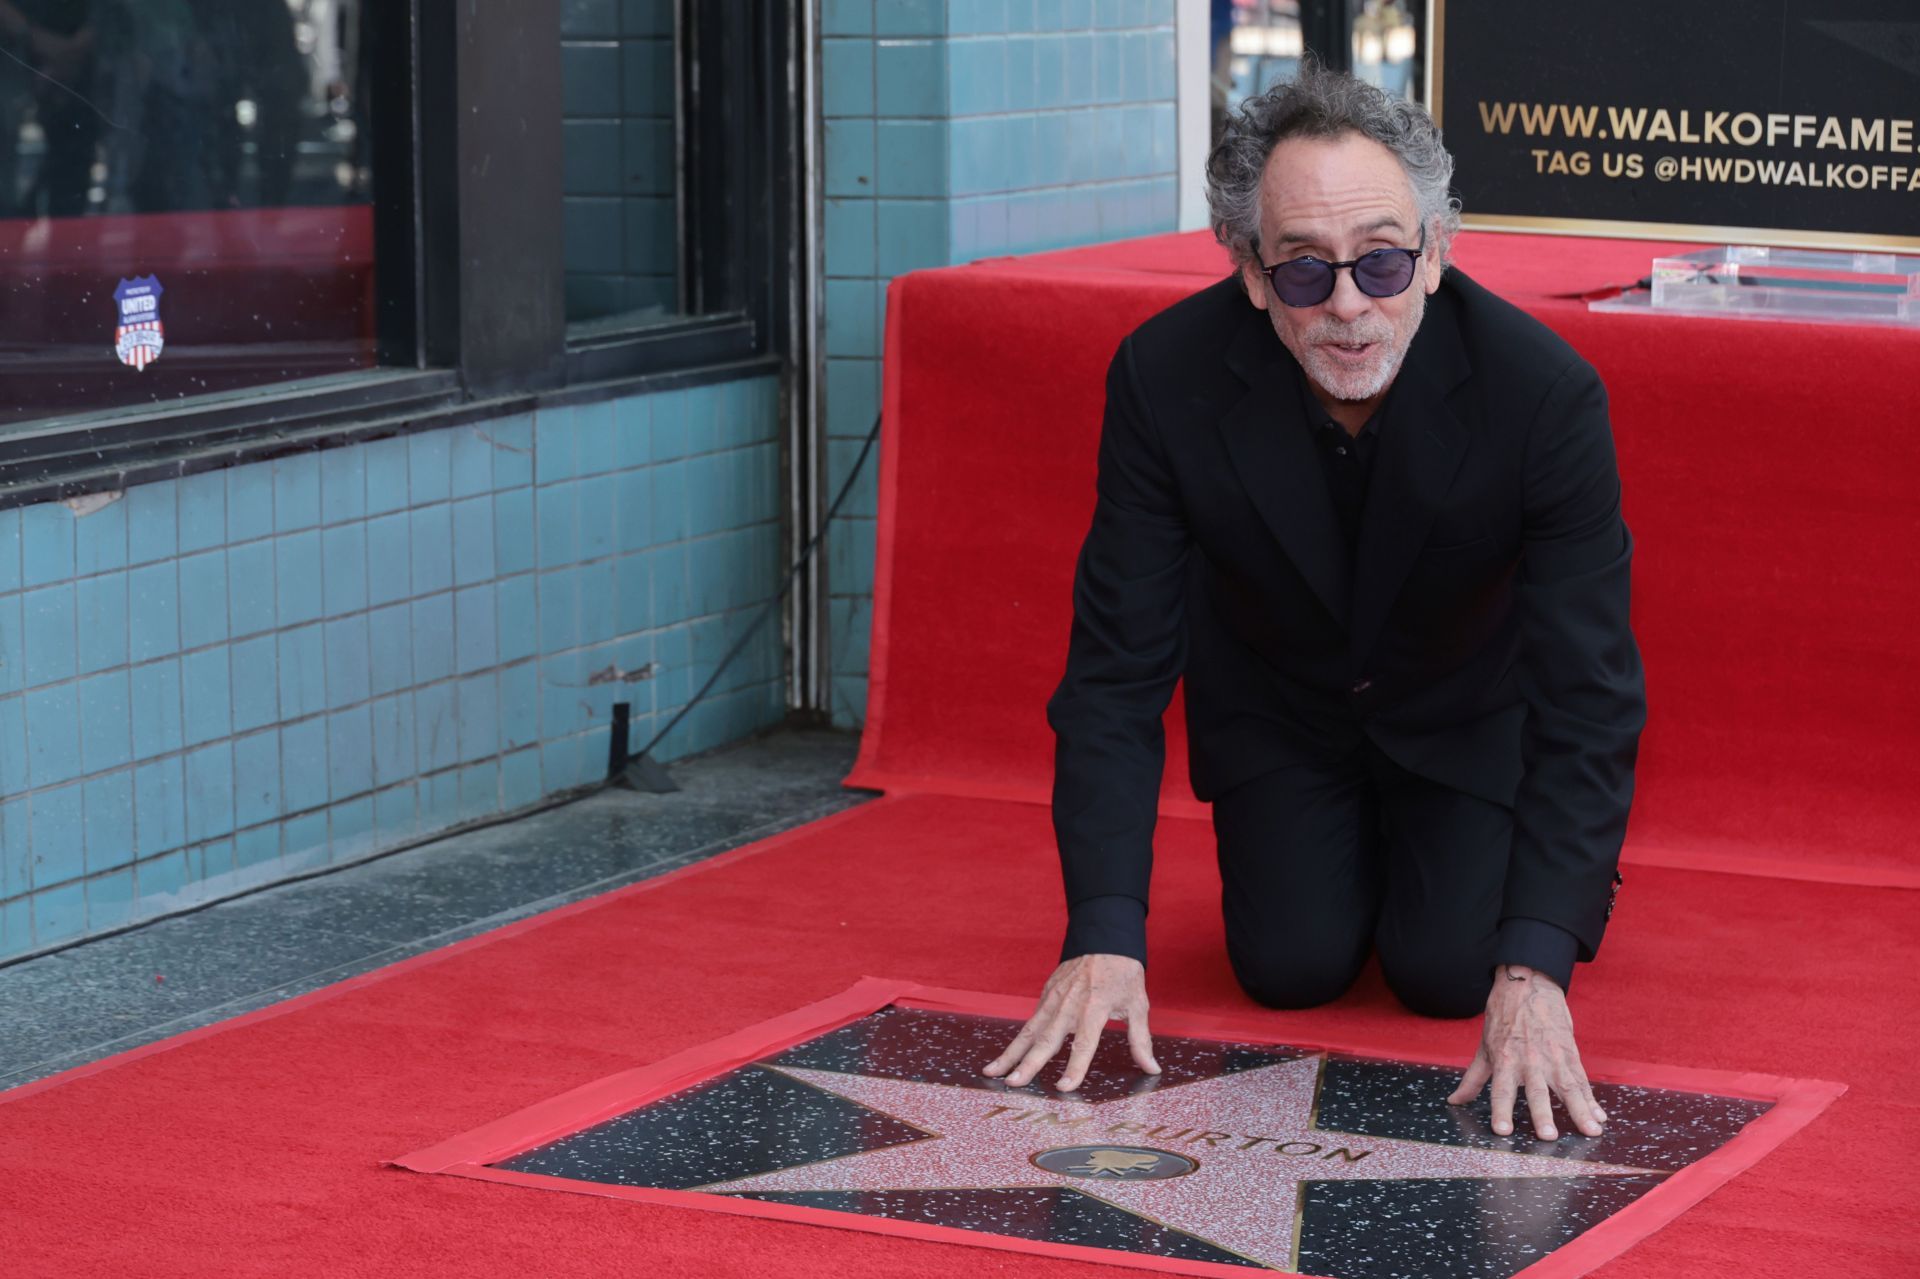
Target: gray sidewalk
column 103, row 997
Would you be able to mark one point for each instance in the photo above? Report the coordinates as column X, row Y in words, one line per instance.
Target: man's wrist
column 1517, row 974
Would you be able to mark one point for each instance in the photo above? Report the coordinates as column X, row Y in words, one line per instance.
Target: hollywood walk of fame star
column 1242, row 1193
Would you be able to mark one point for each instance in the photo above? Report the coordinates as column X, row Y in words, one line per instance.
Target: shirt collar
column 1320, row 419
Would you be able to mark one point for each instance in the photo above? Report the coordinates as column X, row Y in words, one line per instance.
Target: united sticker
column 140, row 337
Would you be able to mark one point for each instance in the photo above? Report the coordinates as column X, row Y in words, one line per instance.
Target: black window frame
column 469, row 250
column 1326, row 28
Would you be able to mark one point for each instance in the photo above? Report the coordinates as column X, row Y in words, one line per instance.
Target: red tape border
column 1795, row 1104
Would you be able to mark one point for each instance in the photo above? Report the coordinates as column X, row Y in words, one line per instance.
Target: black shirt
column 1347, row 462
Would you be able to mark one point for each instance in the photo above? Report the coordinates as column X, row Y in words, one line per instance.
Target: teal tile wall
column 617, row 67
column 220, row 681
column 956, row 130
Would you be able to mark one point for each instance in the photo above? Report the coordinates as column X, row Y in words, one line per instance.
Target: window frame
column 1326, row 28
column 471, row 319
column 738, row 143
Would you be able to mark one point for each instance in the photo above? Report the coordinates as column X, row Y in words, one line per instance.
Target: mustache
column 1350, row 334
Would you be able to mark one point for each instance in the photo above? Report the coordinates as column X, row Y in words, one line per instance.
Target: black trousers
column 1321, row 863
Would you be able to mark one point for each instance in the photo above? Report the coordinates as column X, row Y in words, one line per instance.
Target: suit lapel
column 1422, row 443
column 1272, row 450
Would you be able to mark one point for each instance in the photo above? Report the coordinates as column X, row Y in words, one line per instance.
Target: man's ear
column 1433, row 262
column 1254, row 281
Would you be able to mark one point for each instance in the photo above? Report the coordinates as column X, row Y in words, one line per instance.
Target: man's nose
column 1347, row 303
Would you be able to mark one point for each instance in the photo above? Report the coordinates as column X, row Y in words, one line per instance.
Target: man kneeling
column 1373, row 519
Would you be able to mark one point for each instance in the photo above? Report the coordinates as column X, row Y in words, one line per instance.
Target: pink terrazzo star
column 1251, row 1136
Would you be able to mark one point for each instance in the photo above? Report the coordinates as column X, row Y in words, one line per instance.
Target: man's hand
column 1079, row 998
column 1528, row 1041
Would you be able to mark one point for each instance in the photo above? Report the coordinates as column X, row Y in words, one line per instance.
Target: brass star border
column 1268, row 1090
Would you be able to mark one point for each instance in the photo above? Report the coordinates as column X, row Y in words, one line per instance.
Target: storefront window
column 621, row 121
column 185, row 199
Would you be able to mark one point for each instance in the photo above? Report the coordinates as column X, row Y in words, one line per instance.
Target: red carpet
column 257, row 1150
column 1769, row 473
column 1775, row 607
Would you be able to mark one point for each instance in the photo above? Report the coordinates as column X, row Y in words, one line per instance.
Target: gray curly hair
column 1319, row 103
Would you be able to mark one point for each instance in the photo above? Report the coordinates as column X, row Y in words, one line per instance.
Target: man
column 1374, row 520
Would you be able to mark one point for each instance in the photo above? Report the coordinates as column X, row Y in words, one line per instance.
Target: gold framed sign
column 1684, row 119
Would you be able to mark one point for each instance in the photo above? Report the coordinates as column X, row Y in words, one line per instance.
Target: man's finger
column 1021, row 1042
column 1037, row 1058
column 1473, row 1081
column 1086, row 1038
column 1540, row 1102
column 1581, row 1107
column 1045, row 1044
column 1042, row 1015
column 1504, row 1090
column 1580, row 1110
column 1140, row 1040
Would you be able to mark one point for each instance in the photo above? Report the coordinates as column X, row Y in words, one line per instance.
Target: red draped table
column 1769, row 473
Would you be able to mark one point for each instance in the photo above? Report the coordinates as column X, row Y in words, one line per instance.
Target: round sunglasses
column 1309, row 281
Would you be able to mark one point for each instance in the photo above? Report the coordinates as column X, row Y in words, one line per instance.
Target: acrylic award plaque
column 1252, row 1150
column 1758, row 283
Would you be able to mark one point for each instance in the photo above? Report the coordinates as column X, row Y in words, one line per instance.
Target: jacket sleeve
column 1548, row 948
column 1579, row 669
column 1125, row 654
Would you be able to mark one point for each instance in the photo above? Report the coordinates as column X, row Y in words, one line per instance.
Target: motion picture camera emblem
column 1115, row 1163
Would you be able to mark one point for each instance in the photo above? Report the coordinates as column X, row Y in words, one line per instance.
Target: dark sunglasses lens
column 1303, row 281
column 1384, row 272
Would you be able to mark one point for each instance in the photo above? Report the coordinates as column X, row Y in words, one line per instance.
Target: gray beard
column 1359, row 384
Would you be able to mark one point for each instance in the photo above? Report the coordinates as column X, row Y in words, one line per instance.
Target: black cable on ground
column 643, row 772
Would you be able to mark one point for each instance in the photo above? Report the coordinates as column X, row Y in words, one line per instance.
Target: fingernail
column 1549, row 1135
column 1153, row 1067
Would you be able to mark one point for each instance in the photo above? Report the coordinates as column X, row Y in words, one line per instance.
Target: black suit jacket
column 1479, row 637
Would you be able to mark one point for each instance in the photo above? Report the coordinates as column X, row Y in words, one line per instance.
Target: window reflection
column 1385, row 46
column 621, row 210
column 151, row 106
column 1264, row 46
column 219, row 147
column 1259, row 43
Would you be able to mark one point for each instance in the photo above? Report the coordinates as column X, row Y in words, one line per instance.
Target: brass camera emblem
column 1114, row 1163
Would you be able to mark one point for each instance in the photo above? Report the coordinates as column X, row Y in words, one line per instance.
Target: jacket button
column 1362, row 685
